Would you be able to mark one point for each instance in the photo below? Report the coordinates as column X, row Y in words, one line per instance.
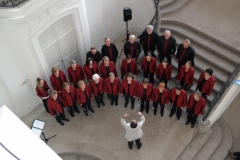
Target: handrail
column 222, row 91
column 11, row 3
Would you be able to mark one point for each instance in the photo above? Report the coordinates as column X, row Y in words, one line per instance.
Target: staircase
column 170, row 6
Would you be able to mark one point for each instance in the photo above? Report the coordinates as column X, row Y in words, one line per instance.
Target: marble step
column 77, row 156
column 172, row 6
column 166, row 3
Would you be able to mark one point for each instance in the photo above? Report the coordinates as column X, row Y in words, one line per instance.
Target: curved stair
column 170, row 6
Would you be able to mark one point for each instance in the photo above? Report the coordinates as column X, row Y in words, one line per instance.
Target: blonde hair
column 54, row 70
column 80, row 82
column 53, row 92
column 105, row 58
column 65, row 84
column 161, row 85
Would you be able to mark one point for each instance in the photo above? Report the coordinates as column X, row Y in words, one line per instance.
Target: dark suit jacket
column 105, row 51
column 144, row 39
column 97, row 57
column 188, row 56
column 128, row 46
column 171, row 46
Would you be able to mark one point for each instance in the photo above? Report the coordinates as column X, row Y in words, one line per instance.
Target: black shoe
column 62, row 124
column 102, row 103
column 77, row 111
column 116, row 104
column 161, row 114
column 155, row 114
column 192, row 125
column 92, row 111
column 140, row 146
column 86, row 114
column 187, row 123
column 178, row 118
column 125, row 105
column 132, row 106
column 170, row 115
column 98, row 105
column 72, row 115
column 111, row 103
column 65, row 119
column 146, row 112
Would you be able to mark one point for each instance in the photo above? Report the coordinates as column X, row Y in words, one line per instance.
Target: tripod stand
column 126, row 39
column 46, row 139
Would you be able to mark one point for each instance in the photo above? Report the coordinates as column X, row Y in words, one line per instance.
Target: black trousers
column 75, row 108
column 70, row 110
column 87, row 106
column 138, row 143
column 204, row 95
column 191, row 117
column 132, row 100
column 168, row 57
column 60, row 102
column 45, row 104
column 184, row 86
column 150, row 76
column 143, row 106
column 114, row 99
column 173, row 110
column 164, row 80
column 237, row 155
column 99, row 98
column 60, row 117
column 156, row 108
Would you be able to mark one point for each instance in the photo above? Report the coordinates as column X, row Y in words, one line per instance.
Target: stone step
column 166, row 3
column 211, row 145
column 222, row 151
column 172, row 6
column 77, row 156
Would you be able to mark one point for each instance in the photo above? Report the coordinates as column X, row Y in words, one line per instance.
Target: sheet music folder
column 37, row 127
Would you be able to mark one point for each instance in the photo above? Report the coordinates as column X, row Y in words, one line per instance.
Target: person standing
column 195, row 107
column 164, row 71
column 97, row 88
column 129, row 65
column 57, row 79
column 178, row 100
column 106, row 67
column 55, row 108
column 149, row 66
column 144, row 92
column 75, row 73
column 90, row 68
column 160, row 96
column 132, row 47
column 129, row 88
column 69, row 98
column 149, row 40
column 112, row 88
column 234, row 155
column 133, row 130
column 166, row 46
column 186, row 76
column 42, row 90
column 110, row 50
column 94, row 54
column 206, row 82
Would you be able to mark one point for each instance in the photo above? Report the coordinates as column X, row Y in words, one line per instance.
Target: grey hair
column 198, row 93
column 111, row 74
column 150, row 27
column 168, row 31
column 72, row 62
column 187, row 40
column 132, row 36
column 53, row 92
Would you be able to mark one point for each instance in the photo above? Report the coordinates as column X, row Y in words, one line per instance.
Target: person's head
column 132, row 38
column 81, row 84
column 208, row 72
column 178, row 89
column 73, row 64
column 129, row 76
column 167, row 34
column 53, row 94
column 145, row 82
column 188, row 64
column 149, row 29
column 55, row 71
column 93, row 49
column 186, row 43
column 161, row 86
column 105, row 60
column 165, row 62
column 39, row 82
column 89, row 61
column 96, row 78
column 129, row 58
column 133, row 124
column 149, row 55
column 107, row 41
column 111, row 76
column 197, row 95
column 65, row 86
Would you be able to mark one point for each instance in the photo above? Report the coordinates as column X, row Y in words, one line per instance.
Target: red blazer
column 200, row 105
column 159, row 71
column 116, row 86
column 133, row 67
column 133, row 87
column 56, row 84
column 208, row 85
column 88, row 71
column 189, row 75
column 95, row 89
column 81, row 97
column 53, row 106
column 182, row 98
column 139, row 92
column 152, row 65
column 103, row 71
column 75, row 77
column 164, row 98
column 41, row 92
column 68, row 99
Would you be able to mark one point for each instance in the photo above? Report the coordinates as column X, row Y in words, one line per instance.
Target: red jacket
column 97, row 89
column 133, row 67
column 208, row 85
column 53, row 105
column 133, row 87
column 56, row 84
column 41, row 92
column 68, row 99
column 152, row 65
column 189, row 75
column 88, row 71
column 164, row 98
column 116, row 86
column 81, row 97
column 182, row 98
column 159, row 71
column 139, row 92
column 75, row 77
column 200, row 105
column 103, row 71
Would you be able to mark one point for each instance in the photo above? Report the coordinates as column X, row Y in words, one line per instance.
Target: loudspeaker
column 127, row 14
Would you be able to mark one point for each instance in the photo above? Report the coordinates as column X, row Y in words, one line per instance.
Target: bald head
column 167, row 34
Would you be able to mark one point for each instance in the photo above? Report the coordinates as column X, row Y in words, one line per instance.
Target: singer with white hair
column 132, row 47
column 97, row 87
